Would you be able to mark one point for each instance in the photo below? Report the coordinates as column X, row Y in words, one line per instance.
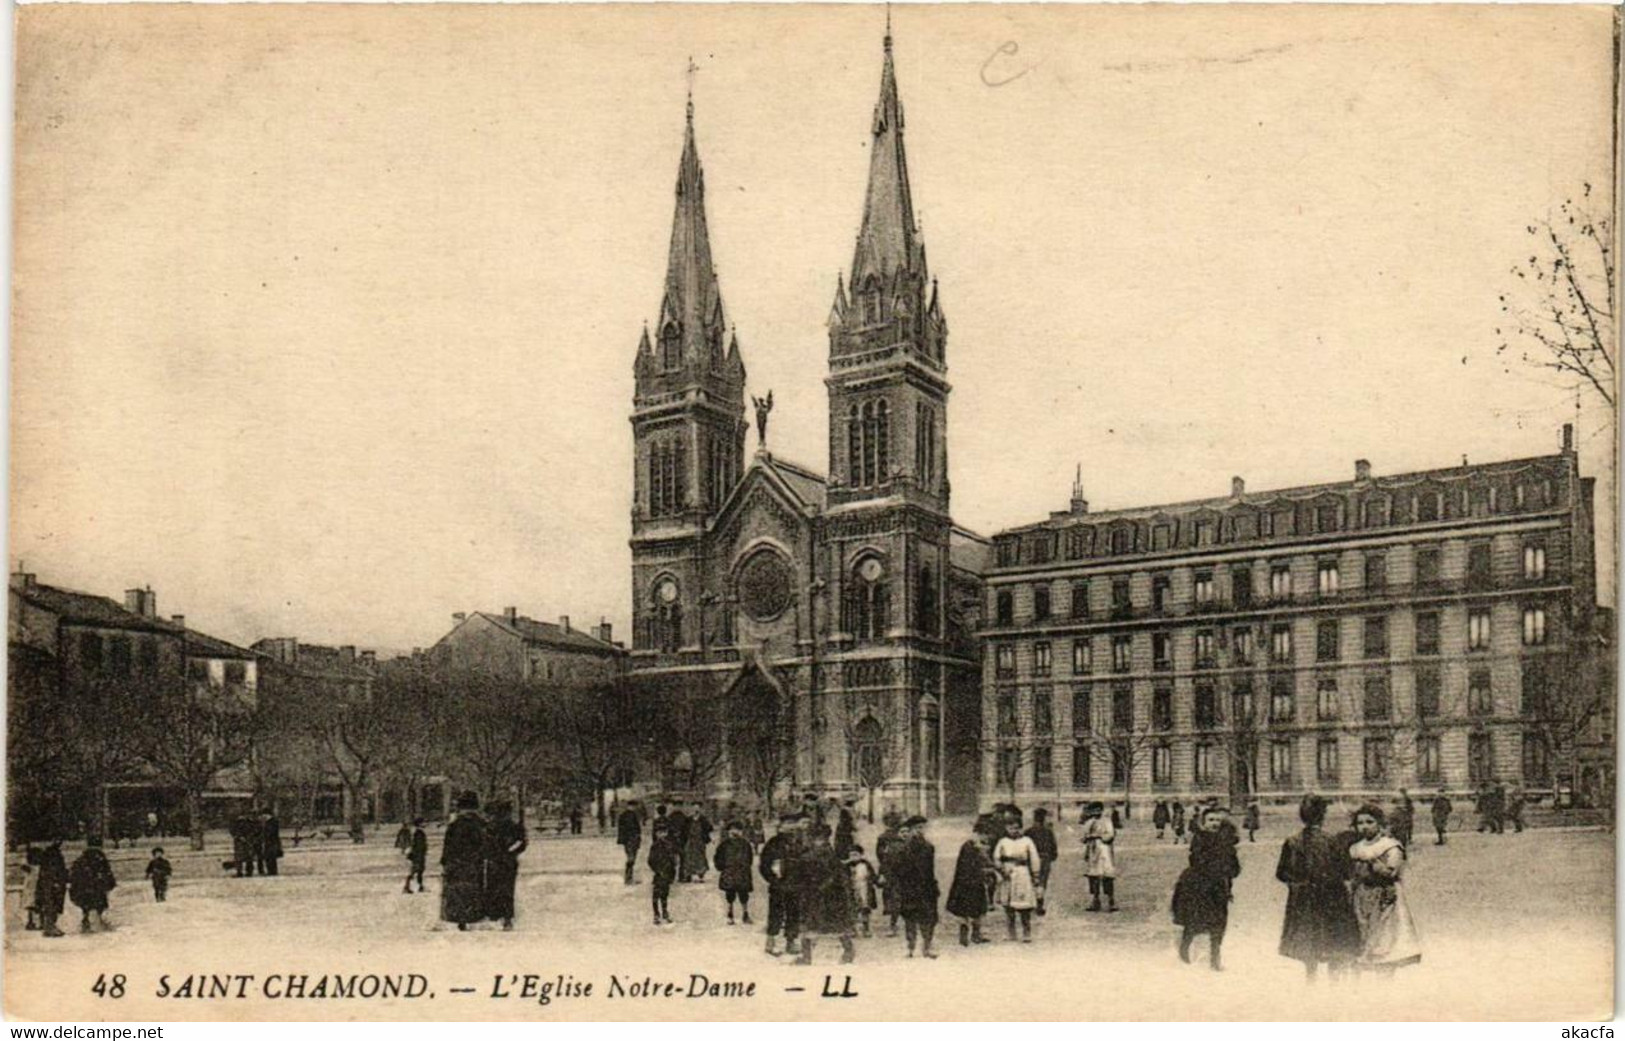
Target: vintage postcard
column 794, row 512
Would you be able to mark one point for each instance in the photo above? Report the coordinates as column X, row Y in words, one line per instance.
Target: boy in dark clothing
column 159, row 870
column 1441, row 816
column 734, row 859
column 663, row 859
column 1043, row 837
column 89, row 881
column 629, row 836
column 417, row 855
column 776, row 866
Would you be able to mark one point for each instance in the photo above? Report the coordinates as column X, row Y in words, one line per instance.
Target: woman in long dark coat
column 505, row 840
column 1320, row 925
column 52, row 892
column 968, row 895
column 1202, row 895
column 89, row 881
column 462, row 865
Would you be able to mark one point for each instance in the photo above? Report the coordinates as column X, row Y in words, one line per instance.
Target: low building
column 510, row 644
column 1420, row 630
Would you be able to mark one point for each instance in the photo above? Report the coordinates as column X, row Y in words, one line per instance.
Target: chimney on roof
column 284, row 649
column 459, row 617
column 511, row 614
column 178, row 619
column 1568, row 438
column 1238, row 487
column 142, row 602
column 1362, row 469
column 603, row 631
column 1079, row 504
column 564, row 622
column 347, row 654
column 21, row 579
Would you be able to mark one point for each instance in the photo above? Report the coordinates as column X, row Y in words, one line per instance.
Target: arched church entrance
column 760, row 734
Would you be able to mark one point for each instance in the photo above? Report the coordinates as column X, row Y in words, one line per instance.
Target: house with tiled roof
column 524, row 648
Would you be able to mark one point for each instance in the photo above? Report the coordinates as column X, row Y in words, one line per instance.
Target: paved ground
column 1516, row 926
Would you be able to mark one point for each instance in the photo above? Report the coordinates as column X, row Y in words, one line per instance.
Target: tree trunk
column 194, row 818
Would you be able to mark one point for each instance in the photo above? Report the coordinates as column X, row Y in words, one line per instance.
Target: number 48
column 109, row 987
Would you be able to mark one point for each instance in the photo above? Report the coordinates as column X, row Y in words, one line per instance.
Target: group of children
column 49, row 883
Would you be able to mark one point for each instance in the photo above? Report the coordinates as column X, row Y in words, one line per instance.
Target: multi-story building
column 1419, row 630
column 510, row 644
column 825, row 607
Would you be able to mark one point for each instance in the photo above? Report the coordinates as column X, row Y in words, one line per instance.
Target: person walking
column 575, row 819
column 663, row 862
column 158, row 871
column 629, row 836
column 917, row 892
column 1016, row 857
column 824, row 889
column 244, row 837
column 1099, row 857
column 775, row 867
column 270, row 842
column 1388, row 937
column 735, row 863
column 462, row 865
column 1513, row 813
column 1249, row 820
column 90, row 880
column 1319, row 927
column 1176, row 817
column 845, row 828
column 1043, row 837
column 1441, row 816
column 417, row 855
column 887, row 846
column 968, row 894
column 1404, row 819
column 1160, row 817
column 505, row 841
column 1201, row 902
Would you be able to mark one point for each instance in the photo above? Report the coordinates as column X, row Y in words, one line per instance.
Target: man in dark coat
column 52, row 891
column 845, row 826
column 270, row 844
column 679, row 824
column 915, row 871
column 824, row 893
column 462, row 865
column 777, row 868
column 89, row 881
column 417, row 855
column 1043, row 837
column 505, row 840
column 734, row 860
column 1441, row 816
column 886, row 849
column 969, row 893
column 1160, row 817
column 245, row 835
column 629, row 836
column 1512, row 808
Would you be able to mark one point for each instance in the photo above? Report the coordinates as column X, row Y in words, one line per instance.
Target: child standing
column 735, row 861
column 159, row 870
column 417, row 855
column 89, row 881
column 863, row 886
column 663, row 858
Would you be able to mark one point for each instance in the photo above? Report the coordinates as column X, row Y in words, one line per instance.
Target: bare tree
column 592, row 736
column 495, row 729
column 876, row 742
column 189, row 736
column 690, row 740
column 1559, row 314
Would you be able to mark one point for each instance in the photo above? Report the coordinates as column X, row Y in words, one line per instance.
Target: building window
column 1122, row 708
column 1160, row 586
column 147, row 656
column 1083, row 657
column 1005, row 661
column 1326, row 640
column 1326, row 698
column 1204, row 533
column 1043, row 768
column 1241, row 703
column 1326, row 518
column 1007, row 714
column 1281, row 708
column 1280, row 582
column 1376, row 760
column 1082, row 723
column 1206, row 705
column 1162, row 708
column 236, row 673
column 1121, row 541
column 1204, row 587
column 1427, row 566
column 869, row 600
column 1122, row 605
column 1281, row 643
column 1534, row 561
column 1534, row 626
column 1327, row 578
column 1478, row 565
column 1280, row 762
column 1480, row 694
column 1041, row 603
column 1043, row 662
column 868, row 431
column 1162, row 765
column 1536, row 694
column 1376, row 511
column 1122, row 653
column 1536, row 759
column 1162, row 651
column 1378, row 704
column 1075, row 543
column 1009, row 763
column 1478, row 629
column 1427, row 758
column 1376, row 572
column 1161, row 536
column 1043, row 711
column 1080, row 766
column 1241, row 645
column 1202, row 763
column 1080, row 600
column 1241, row 586
column 1204, row 649
column 1428, row 688
column 1376, row 637
column 1043, row 547
column 1427, row 506
column 197, row 670
column 668, row 477
column 1480, row 758
column 90, row 652
column 1005, row 609
column 1427, row 632
column 1326, row 770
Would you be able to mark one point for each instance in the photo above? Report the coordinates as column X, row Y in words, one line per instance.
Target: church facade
column 810, row 631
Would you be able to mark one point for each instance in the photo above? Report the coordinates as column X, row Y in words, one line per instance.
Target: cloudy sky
column 325, row 317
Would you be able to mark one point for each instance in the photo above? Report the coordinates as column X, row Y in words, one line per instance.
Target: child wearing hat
column 159, row 870
column 862, row 873
column 663, row 860
column 734, row 862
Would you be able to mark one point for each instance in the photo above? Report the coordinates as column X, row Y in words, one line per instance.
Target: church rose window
column 765, row 585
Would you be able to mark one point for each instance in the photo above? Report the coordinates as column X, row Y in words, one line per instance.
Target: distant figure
column 1117, row 817
column 1160, row 816
column 1099, row 858
column 862, row 874
column 1404, row 819
column 1441, row 816
column 679, row 824
column 417, row 855
column 1388, row 937
column 663, row 857
column 245, row 835
column 505, row 841
column 90, row 880
column 159, row 870
column 1513, row 812
column 270, row 842
column 1176, row 817
column 575, row 820
column 51, row 891
column 1488, row 804
column 1043, row 837
column 30, row 891
column 462, row 865
column 1249, row 820
column 1201, row 901
column 1319, row 927
column 735, row 862
column 629, row 836
column 403, row 838
column 845, row 825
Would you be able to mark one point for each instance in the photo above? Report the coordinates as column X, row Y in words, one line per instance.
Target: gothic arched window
column 666, row 616
column 671, row 346
column 869, row 600
column 854, row 445
column 867, row 753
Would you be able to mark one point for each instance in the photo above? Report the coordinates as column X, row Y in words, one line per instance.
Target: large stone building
column 522, row 648
column 1430, row 630
column 827, row 613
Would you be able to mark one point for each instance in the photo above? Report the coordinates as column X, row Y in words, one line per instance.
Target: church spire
column 691, row 309
column 888, row 240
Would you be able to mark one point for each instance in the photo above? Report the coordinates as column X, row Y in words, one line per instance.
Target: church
column 808, row 631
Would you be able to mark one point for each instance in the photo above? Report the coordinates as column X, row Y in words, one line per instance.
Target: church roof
column 809, row 485
column 888, row 241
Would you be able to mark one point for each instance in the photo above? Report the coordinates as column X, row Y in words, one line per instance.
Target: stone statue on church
column 763, row 407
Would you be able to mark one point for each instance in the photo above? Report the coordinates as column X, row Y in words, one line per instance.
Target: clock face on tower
column 766, row 585
column 871, row 570
column 666, row 591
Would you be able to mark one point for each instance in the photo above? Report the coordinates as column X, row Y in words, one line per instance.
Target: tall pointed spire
column 691, row 309
column 888, row 240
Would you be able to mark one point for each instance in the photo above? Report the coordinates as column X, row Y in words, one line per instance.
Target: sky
column 324, row 317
